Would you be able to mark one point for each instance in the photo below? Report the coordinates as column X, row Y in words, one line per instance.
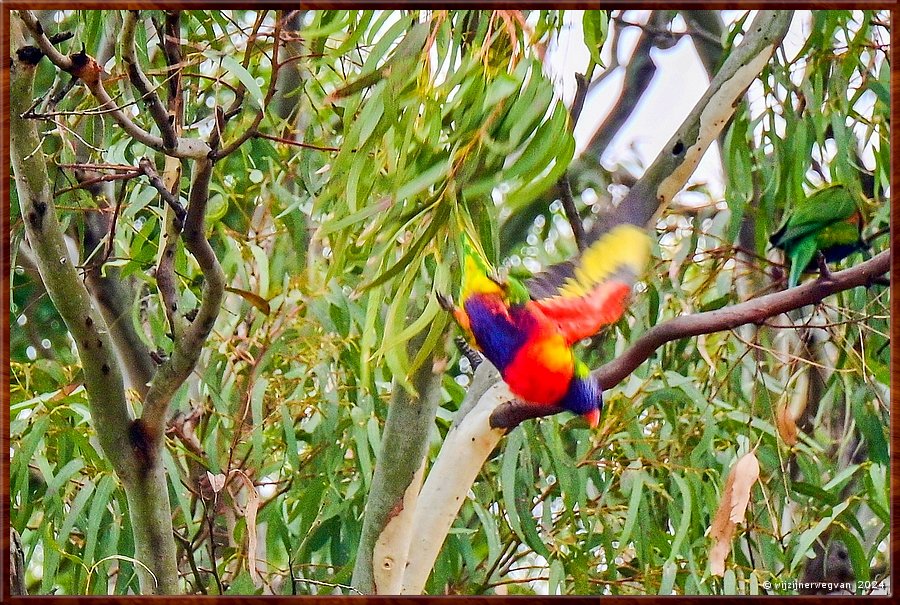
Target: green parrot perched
column 827, row 221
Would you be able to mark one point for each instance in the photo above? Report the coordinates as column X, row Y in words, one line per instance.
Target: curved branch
column 757, row 310
column 142, row 84
column 189, row 344
column 752, row 311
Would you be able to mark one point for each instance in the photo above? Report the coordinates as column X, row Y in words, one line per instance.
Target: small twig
column 212, row 539
column 189, row 552
column 868, row 239
column 60, row 37
column 111, row 237
column 568, row 203
column 218, row 81
column 63, row 128
column 262, row 135
column 667, row 33
column 327, row 584
column 28, row 113
column 32, row 115
column 581, row 90
column 824, row 271
column 174, row 203
column 87, row 184
column 119, row 167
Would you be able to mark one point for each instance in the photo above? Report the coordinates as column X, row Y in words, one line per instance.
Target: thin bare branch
column 568, row 202
column 269, row 137
column 100, row 178
column 563, row 185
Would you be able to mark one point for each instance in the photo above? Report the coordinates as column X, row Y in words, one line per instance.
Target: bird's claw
column 499, row 279
column 445, row 301
column 824, row 272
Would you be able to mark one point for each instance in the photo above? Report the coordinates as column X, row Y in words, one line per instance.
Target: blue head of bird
column 585, row 396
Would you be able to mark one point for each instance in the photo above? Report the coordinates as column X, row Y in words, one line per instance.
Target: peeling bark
column 464, row 451
column 680, row 156
column 386, row 533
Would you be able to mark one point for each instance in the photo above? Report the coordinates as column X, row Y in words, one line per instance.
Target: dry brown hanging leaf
column 732, row 507
column 250, row 511
column 786, row 424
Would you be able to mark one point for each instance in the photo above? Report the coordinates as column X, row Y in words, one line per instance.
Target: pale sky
column 679, row 82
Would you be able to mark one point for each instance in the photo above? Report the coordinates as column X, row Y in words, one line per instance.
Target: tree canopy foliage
column 322, row 164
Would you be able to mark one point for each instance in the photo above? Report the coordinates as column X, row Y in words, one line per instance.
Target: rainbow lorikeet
column 826, row 221
column 528, row 332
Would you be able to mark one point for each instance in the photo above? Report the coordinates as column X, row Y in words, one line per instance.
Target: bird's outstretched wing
column 585, row 294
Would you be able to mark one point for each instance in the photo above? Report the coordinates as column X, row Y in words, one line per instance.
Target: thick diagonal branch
column 753, row 311
column 102, row 375
column 680, row 156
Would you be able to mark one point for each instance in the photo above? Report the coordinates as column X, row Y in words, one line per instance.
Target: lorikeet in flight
column 827, row 221
column 528, row 332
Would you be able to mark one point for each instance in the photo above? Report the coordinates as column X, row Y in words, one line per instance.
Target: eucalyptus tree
column 230, row 372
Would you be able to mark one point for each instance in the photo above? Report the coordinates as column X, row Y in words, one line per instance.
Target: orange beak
column 592, row 417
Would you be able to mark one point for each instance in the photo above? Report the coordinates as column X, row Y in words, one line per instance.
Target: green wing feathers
column 828, row 220
column 823, row 207
column 801, row 255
